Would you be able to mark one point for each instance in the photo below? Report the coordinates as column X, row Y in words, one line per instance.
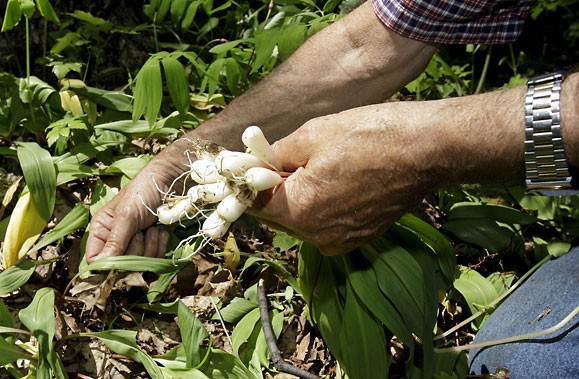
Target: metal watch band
column 545, row 161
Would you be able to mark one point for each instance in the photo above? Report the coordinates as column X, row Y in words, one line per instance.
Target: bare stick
column 274, row 353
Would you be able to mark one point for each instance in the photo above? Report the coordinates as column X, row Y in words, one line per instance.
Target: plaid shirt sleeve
column 455, row 21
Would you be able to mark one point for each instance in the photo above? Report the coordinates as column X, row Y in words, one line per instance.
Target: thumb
column 293, row 151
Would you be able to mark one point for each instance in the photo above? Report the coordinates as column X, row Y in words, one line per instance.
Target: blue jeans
column 546, row 298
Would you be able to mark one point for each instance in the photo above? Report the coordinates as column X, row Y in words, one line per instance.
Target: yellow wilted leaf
column 231, row 253
column 23, row 230
column 70, row 102
column 8, row 196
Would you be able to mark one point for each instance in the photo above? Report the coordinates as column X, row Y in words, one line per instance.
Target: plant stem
column 520, row 337
column 484, row 71
column 495, row 302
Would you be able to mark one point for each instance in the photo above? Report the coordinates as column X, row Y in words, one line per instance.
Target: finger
column 162, row 243
column 155, row 242
column 137, row 245
column 293, row 151
column 124, row 227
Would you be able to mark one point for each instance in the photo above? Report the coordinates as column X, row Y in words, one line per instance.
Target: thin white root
column 256, row 143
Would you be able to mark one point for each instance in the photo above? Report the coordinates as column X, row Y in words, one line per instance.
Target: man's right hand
column 124, row 225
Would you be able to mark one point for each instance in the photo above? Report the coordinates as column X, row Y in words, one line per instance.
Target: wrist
column 570, row 123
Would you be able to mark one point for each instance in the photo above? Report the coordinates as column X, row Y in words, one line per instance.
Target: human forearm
column 354, row 62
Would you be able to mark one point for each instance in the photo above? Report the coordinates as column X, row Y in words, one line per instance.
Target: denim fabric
column 547, row 297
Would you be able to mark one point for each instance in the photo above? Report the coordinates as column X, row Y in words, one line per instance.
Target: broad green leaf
column 244, row 330
column 291, row 38
column 502, row 281
column 284, row 241
column 69, row 172
column 124, row 342
column 5, row 316
column 222, row 365
column 190, row 14
column 12, row 15
column 482, row 232
column 102, row 194
column 15, row 276
column 129, row 166
column 136, row 129
column 113, row 100
column 320, row 281
column 435, row 240
column 177, row 10
column 177, row 83
column 148, row 91
column 447, row 363
column 363, row 341
column 47, row 11
column 39, row 318
column 226, row 46
column 363, row 280
column 477, row 290
column 400, row 278
column 77, row 218
column 9, row 352
column 498, row 213
column 40, row 176
column 237, row 308
column 192, row 334
column 233, row 75
column 133, row 263
column 179, row 373
column 265, row 42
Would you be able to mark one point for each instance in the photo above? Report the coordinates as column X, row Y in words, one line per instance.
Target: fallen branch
column 274, row 352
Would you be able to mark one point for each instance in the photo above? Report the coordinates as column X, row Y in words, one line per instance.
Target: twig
column 274, row 353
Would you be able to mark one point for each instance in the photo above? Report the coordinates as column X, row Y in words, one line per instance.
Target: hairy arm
column 350, row 184
column 354, row 62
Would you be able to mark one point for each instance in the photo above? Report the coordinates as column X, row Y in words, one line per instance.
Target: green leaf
column 133, row 263
column 190, row 14
column 226, row 46
column 435, row 240
column 124, row 342
column 222, row 365
column 243, row 331
column 5, row 315
column 363, row 280
column 284, row 241
column 9, row 352
column 498, row 213
column 113, row 100
column 129, row 166
column 148, row 91
column 292, row 37
column 192, row 334
column 265, row 42
column 400, row 278
column 15, row 276
column 477, row 290
column 136, row 129
column 363, row 341
column 237, row 308
column 47, row 11
column 77, row 218
column 177, row 83
column 40, row 176
column 482, row 232
column 39, row 318
column 12, row 15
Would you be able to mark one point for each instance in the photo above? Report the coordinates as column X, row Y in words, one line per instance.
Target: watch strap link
column 545, row 162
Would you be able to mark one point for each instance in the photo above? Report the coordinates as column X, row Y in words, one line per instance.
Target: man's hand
column 357, row 172
column 354, row 174
column 123, row 225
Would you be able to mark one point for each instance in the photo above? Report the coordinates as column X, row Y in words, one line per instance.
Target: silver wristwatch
column 545, row 162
